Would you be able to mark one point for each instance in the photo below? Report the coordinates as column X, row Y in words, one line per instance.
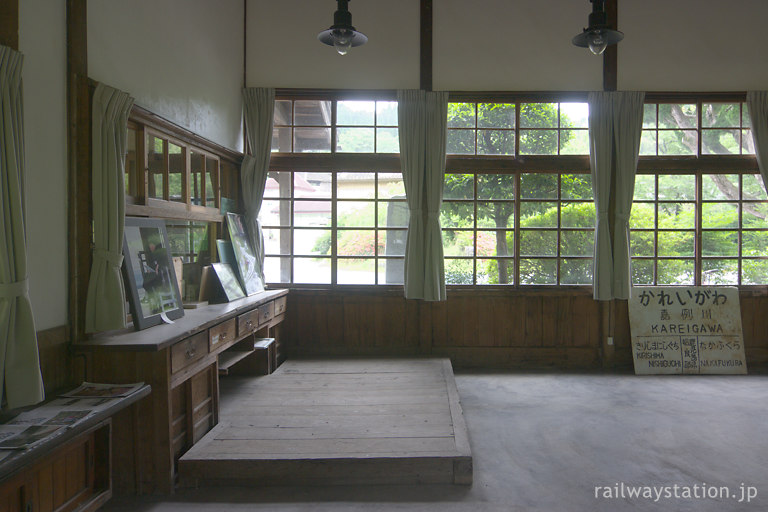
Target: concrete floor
column 543, row 442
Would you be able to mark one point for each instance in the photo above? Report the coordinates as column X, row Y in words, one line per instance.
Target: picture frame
column 150, row 278
column 229, row 283
column 244, row 254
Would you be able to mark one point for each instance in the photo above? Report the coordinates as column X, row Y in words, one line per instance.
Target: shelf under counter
column 163, row 336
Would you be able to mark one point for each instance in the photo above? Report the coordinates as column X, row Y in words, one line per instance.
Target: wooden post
column 9, row 23
column 425, row 62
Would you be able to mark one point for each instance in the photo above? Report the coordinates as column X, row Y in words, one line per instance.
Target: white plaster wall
column 182, row 59
column 693, row 45
column 512, row 45
column 283, row 51
column 42, row 40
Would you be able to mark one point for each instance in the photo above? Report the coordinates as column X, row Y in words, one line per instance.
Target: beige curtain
column 19, row 359
column 422, row 118
column 105, row 303
column 757, row 101
column 259, row 110
column 615, row 128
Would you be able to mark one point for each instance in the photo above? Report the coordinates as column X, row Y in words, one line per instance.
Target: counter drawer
column 280, row 304
column 247, row 323
column 266, row 312
column 188, row 351
column 222, row 334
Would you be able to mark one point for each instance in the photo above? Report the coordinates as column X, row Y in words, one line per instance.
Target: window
column 541, row 235
column 338, row 217
column 699, row 229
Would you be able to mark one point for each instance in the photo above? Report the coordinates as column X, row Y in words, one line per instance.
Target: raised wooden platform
column 339, row 422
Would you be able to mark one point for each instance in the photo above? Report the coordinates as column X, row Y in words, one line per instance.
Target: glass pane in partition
column 156, row 149
column 211, row 182
column 196, row 180
column 177, row 169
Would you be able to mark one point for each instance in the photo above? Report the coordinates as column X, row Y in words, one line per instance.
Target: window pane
column 754, row 272
column 457, row 215
column 577, row 215
column 538, row 215
column 391, row 270
column 573, row 271
column 720, row 215
column 461, row 115
column 278, row 185
column 495, row 142
column 720, row 115
column 311, row 213
column 717, row 272
column 196, row 163
column 645, row 187
column 677, row 115
column 753, row 187
column 720, row 187
column 496, row 115
column 312, row 184
column 312, row 270
column 577, row 243
column 496, row 271
column 648, row 143
column 355, row 113
column 675, row 272
column 576, row 186
column 720, row 243
column 755, row 215
column 278, row 241
column 678, row 142
column 754, row 243
column 538, row 186
column 460, row 142
column 393, row 214
column 275, row 212
column 391, row 185
column 642, row 243
column 677, row 187
column 211, row 181
column 356, row 214
column 312, row 241
column 458, row 243
column 675, row 243
column 538, row 115
column 459, row 186
column 188, row 240
column 720, row 142
column 574, row 115
column 495, row 214
column 649, row 116
column 392, row 242
column 356, row 271
column 495, row 186
column 356, row 242
column 538, row 243
column 312, row 140
column 458, row 271
column 277, row 270
column 283, row 113
column 538, row 271
column 386, row 113
column 642, row 272
column 574, row 142
column 495, row 243
column 355, row 185
column 355, row 140
column 677, row 216
column 747, row 143
column 538, row 142
column 155, row 167
column 281, row 139
column 312, row 113
column 642, row 216
column 387, row 140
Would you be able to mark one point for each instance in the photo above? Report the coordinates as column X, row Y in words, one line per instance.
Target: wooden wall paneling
column 485, row 323
column 469, row 323
column 436, row 323
column 58, row 368
column 418, row 331
column 9, row 24
column 533, row 321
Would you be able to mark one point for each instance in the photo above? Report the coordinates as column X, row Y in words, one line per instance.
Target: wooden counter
column 180, row 362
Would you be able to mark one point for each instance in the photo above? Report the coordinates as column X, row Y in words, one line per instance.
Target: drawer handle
column 224, row 335
column 190, row 352
column 248, row 324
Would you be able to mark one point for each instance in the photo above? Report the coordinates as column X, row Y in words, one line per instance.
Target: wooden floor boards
column 377, row 421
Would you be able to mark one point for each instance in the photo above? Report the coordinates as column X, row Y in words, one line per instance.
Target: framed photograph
column 229, row 282
column 244, row 254
column 150, row 278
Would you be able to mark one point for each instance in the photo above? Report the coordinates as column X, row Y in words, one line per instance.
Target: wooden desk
column 72, row 470
column 180, row 362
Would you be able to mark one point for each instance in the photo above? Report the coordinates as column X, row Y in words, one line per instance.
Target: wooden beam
column 78, row 149
column 425, row 62
column 9, row 24
column 610, row 57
